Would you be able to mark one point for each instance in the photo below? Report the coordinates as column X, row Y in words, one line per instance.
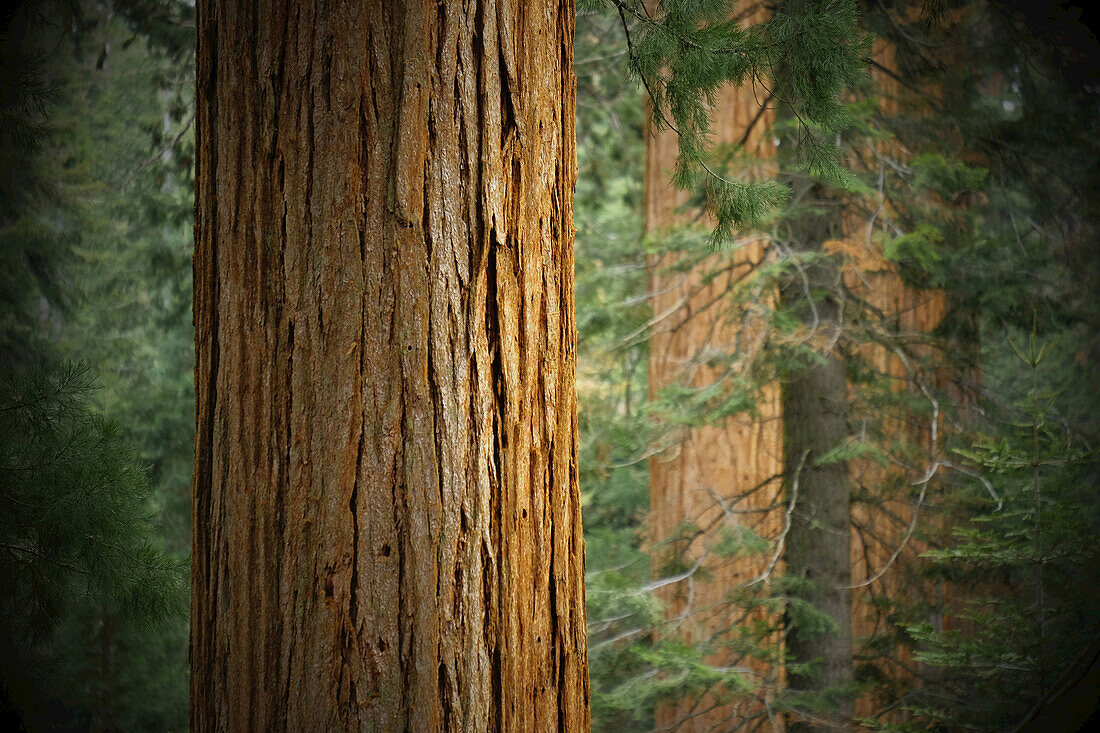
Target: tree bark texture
column 387, row 530
column 712, row 481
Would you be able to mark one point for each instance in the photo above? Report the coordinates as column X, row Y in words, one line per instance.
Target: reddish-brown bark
column 715, row 481
column 387, row 529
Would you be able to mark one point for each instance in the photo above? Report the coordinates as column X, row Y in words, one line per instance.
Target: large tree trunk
column 895, row 516
column 387, row 529
column 714, row 482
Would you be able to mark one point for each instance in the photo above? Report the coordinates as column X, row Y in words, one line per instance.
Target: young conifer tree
column 83, row 572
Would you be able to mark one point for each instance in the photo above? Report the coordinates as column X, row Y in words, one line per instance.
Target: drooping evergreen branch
column 686, row 51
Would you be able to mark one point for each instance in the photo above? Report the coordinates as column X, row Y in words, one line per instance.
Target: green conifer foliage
column 685, row 51
column 94, row 626
column 1028, row 554
column 979, row 184
column 75, row 531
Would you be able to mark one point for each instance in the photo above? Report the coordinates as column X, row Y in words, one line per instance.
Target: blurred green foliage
column 95, row 241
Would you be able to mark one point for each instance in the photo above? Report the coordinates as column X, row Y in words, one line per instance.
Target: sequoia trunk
column 387, row 530
column 720, row 478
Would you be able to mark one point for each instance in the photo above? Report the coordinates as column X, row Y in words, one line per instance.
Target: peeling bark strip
column 387, row 530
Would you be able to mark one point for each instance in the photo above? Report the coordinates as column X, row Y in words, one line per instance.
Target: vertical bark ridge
column 386, row 509
column 204, row 669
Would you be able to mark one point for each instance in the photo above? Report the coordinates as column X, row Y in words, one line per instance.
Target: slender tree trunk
column 814, row 397
column 387, row 529
column 814, row 405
